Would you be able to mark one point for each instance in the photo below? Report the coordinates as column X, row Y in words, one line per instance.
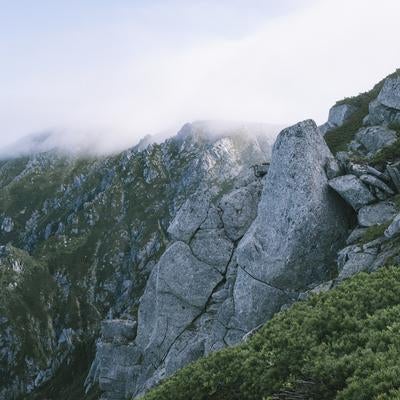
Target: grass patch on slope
column 343, row 344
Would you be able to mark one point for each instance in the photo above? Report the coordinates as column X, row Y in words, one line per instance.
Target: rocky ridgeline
column 181, row 249
column 233, row 262
column 82, row 235
column 370, row 183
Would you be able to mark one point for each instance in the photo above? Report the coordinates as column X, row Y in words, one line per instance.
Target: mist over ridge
column 101, row 143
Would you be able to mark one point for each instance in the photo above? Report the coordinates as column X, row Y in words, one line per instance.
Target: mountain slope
column 167, row 253
column 79, row 236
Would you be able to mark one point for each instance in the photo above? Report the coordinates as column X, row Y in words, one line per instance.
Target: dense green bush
column 344, row 344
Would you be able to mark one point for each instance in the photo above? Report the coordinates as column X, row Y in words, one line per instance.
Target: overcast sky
column 123, row 69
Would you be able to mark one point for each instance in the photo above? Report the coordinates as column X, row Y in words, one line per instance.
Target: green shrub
column 344, row 344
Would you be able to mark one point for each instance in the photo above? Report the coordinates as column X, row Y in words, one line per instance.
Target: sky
column 114, row 71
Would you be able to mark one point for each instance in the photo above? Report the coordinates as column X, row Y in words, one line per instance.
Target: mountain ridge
column 169, row 252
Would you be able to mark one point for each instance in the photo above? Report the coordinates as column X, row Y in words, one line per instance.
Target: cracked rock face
column 239, row 208
column 189, row 217
column 183, row 285
column 297, row 208
column 187, row 307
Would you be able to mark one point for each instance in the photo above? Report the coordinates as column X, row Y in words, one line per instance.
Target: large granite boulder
column 375, row 138
column 385, row 108
column 338, row 115
column 300, row 225
column 389, row 96
column 377, row 214
column 352, row 190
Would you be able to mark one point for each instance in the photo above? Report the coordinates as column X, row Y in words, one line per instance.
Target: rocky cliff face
column 213, row 285
column 80, row 237
column 185, row 310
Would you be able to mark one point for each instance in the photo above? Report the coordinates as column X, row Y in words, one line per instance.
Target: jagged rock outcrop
column 185, row 310
column 297, row 208
column 352, row 190
column 386, row 108
column 370, row 186
column 213, row 285
column 338, row 115
column 375, row 138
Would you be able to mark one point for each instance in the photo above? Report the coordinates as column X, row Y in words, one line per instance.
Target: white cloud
column 292, row 68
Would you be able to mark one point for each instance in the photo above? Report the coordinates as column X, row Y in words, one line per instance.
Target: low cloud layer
column 118, row 83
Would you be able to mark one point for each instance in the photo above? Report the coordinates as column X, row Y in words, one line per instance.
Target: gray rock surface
column 394, row 228
column 183, row 286
column 189, row 217
column 213, row 248
column 338, row 115
column 296, row 208
column 376, row 183
column 376, row 214
column 239, row 208
column 119, row 330
column 394, row 174
column 375, row 138
column 255, row 301
column 389, row 96
column 7, row 225
column 332, row 169
column 352, row 260
column 386, row 108
column 188, row 303
column 351, row 189
column 356, row 235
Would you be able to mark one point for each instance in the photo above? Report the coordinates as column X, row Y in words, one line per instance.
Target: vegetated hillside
column 343, row 344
